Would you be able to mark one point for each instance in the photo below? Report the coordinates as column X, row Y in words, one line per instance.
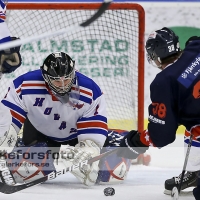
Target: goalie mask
column 161, row 44
column 59, row 72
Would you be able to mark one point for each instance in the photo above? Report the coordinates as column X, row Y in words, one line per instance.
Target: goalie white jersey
column 85, row 118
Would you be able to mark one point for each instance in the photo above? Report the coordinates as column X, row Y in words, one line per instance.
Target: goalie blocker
column 28, row 163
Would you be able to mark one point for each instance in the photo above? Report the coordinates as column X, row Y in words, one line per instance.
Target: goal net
column 110, row 51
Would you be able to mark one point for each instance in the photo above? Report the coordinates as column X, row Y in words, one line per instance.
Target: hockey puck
column 174, row 193
column 109, row 191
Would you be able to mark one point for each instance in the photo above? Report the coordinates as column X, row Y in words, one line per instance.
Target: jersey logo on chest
column 48, row 111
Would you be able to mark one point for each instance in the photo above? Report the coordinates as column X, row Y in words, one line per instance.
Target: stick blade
column 174, row 193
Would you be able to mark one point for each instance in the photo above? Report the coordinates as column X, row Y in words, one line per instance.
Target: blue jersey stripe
column 194, row 143
column 14, row 107
column 18, row 81
column 16, row 122
column 96, row 117
column 6, row 39
column 2, row 4
column 29, row 76
column 85, row 99
column 64, row 139
column 93, row 131
column 34, row 91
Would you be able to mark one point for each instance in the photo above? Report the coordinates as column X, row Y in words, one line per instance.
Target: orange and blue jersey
column 175, row 96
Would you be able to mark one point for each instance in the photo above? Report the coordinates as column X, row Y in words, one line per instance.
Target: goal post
column 110, row 50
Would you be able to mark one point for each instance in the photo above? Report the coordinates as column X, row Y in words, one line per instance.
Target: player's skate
column 189, row 180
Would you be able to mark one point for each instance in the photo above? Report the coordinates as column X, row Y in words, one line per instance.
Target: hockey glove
column 10, row 59
column 84, row 150
column 131, row 146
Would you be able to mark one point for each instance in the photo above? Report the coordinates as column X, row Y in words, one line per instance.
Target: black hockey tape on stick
column 22, row 41
column 9, row 189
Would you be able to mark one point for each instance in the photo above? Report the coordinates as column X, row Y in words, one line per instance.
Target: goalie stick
column 9, row 189
column 93, row 18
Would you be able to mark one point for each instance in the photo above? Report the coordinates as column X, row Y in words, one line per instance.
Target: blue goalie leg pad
column 113, row 169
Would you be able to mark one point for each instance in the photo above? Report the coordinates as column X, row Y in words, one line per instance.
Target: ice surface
column 143, row 182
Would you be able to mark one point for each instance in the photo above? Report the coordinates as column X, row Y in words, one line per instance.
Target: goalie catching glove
column 131, row 146
column 84, row 150
column 10, row 59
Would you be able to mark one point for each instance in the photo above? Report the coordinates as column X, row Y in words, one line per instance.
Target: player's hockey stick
column 9, row 189
column 185, row 162
column 16, row 43
column 176, row 191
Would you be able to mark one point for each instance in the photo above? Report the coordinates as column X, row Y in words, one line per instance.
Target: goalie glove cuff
column 146, row 139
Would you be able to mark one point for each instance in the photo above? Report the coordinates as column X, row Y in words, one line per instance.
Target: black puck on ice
column 109, row 191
